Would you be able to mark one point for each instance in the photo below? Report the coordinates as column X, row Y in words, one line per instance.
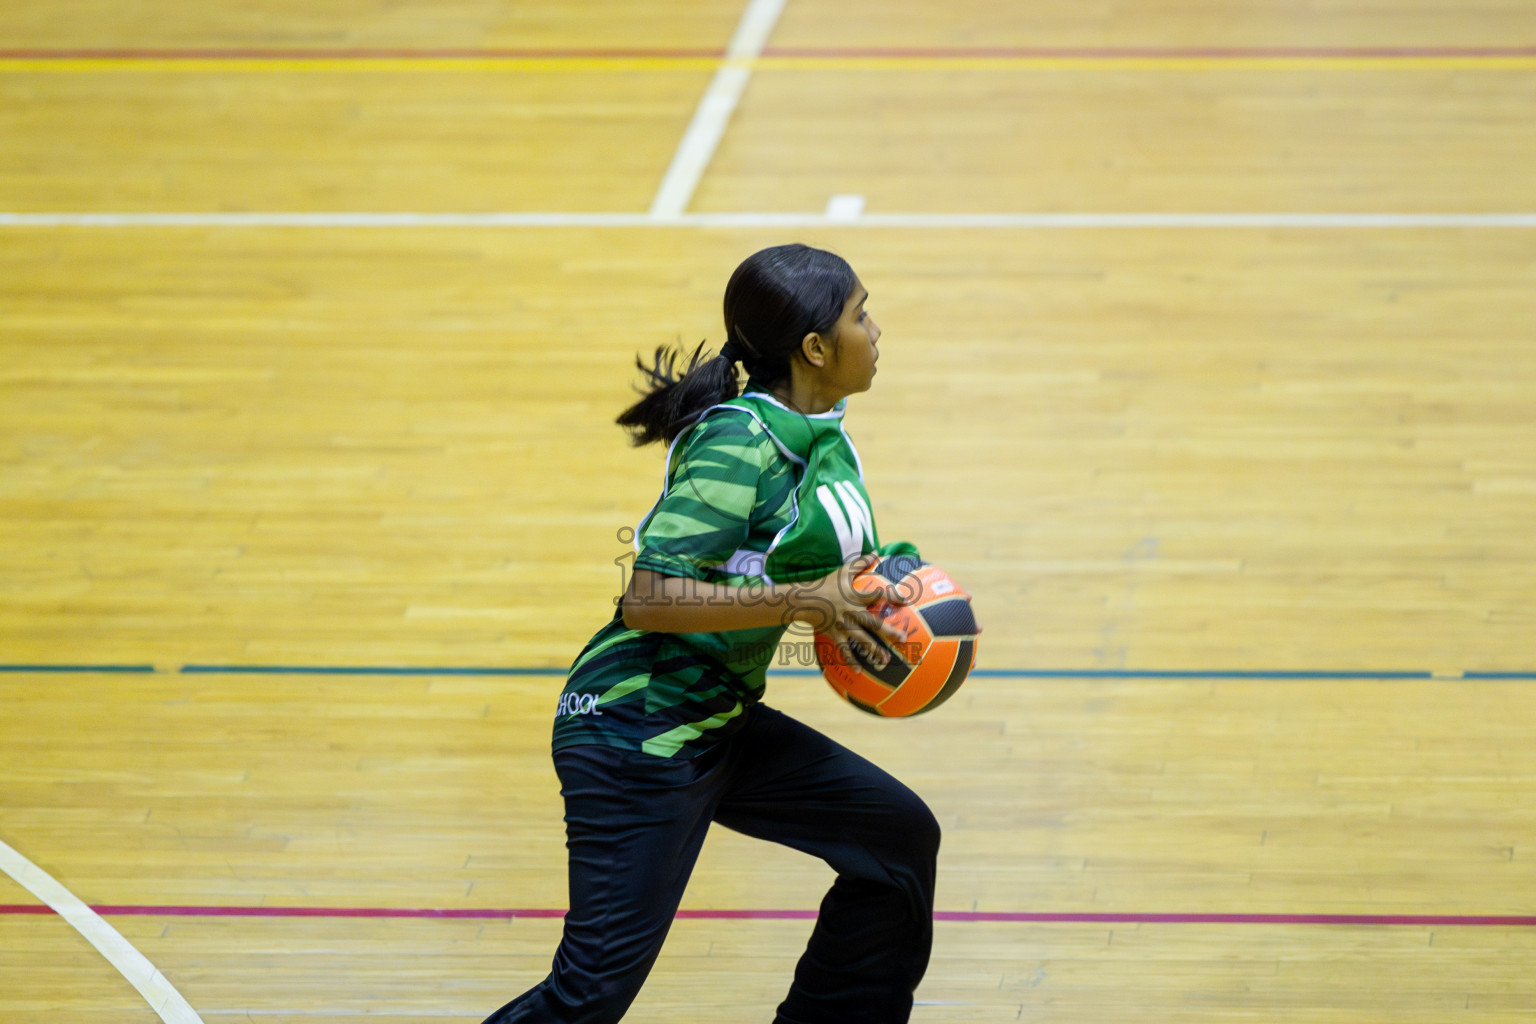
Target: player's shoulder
column 743, row 430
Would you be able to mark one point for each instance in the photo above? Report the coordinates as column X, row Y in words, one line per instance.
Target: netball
column 925, row 670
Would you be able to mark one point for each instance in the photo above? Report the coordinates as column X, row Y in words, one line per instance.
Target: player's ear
column 815, row 349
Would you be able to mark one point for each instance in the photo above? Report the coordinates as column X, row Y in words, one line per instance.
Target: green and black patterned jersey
column 755, row 494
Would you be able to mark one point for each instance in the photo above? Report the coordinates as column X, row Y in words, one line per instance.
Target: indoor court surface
column 1207, row 368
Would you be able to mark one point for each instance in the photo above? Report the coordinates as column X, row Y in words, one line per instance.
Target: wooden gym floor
column 1207, row 367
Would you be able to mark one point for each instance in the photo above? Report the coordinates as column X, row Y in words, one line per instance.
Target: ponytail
column 673, row 401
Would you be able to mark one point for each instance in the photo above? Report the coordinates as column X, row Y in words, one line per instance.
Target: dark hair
column 773, row 300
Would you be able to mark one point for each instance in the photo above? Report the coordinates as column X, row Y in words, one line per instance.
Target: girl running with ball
column 661, row 728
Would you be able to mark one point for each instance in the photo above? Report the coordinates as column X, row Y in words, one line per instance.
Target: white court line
column 715, row 109
column 774, row 220
column 161, row 996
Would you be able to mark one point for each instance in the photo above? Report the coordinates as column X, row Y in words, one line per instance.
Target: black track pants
column 634, row 826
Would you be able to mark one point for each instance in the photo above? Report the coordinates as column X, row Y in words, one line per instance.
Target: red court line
column 963, row 916
column 833, row 52
column 403, row 53
column 1154, row 52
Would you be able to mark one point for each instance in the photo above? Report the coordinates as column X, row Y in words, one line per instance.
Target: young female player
column 661, row 729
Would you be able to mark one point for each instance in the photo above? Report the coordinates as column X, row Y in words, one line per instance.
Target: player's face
column 855, row 352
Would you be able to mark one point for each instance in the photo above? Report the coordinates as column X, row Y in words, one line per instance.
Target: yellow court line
column 568, row 65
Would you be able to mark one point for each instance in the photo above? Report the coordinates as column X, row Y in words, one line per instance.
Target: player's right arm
column 658, row 603
column 726, row 467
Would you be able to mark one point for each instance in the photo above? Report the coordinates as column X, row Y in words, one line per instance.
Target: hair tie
column 737, row 348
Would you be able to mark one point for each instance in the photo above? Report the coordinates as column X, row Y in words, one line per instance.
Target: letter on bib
column 850, row 516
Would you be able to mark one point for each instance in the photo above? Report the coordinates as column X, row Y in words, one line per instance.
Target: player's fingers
column 887, row 630
column 855, row 640
column 865, row 598
column 872, row 635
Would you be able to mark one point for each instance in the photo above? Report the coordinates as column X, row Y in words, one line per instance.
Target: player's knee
column 925, row 834
column 915, row 833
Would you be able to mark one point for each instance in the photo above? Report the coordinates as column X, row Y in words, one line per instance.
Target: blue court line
column 363, row 670
column 1152, row 673
column 1131, row 673
column 135, row 669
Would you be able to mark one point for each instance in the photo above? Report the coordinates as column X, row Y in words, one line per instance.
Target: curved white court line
column 838, row 218
column 130, row 963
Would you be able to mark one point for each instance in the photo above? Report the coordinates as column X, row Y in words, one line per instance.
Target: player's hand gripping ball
column 925, row 670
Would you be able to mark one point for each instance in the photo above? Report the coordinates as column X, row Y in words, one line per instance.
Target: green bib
column 831, row 521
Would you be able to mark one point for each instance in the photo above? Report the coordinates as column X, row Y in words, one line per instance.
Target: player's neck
column 804, row 394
